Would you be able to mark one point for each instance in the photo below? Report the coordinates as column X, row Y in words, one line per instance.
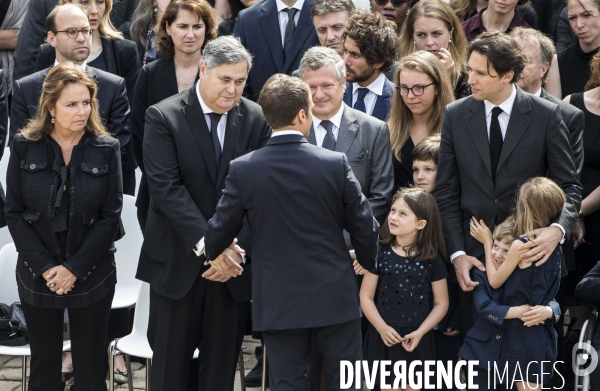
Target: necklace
column 420, row 131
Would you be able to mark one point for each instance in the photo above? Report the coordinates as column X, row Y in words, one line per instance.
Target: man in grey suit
column 364, row 139
column 491, row 143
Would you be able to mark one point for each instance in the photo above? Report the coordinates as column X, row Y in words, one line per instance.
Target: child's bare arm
column 498, row 277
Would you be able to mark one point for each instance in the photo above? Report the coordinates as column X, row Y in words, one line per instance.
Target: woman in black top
column 144, row 28
column 235, row 6
column 63, row 205
column 177, row 71
column 570, row 70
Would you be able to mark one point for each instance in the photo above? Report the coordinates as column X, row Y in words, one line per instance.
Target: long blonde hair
column 539, row 201
column 57, row 79
column 105, row 28
column 401, row 118
column 437, row 9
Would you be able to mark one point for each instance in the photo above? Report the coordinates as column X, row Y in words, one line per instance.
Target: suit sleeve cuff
column 458, row 254
column 562, row 240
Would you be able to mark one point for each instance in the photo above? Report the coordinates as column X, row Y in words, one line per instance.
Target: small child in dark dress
column 527, row 347
column 410, row 281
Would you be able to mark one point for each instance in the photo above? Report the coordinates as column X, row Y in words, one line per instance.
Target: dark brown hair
column 200, row 8
column 57, row 79
column 502, row 52
column 281, row 98
column 430, row 240
column 427, row 149
column 375, row 36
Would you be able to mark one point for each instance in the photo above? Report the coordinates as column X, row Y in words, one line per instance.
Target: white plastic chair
column 9, row 294
column 4, row 167
column 127, row 256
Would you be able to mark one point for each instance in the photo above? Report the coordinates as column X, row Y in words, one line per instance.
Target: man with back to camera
column 491, row 142
column 298, row 199
column 370, row 48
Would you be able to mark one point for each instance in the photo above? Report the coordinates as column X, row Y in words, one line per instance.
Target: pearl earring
column 155, row 9
column 449, row 40
column 52, row 120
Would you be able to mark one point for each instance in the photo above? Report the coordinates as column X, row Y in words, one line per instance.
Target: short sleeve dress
column 524, row 345
column 404, row 299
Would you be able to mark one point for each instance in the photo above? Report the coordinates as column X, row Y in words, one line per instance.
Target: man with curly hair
column 370, row 48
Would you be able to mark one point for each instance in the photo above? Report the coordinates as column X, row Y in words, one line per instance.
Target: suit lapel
column 232, row 134
column 192, row 111
column 311, row 136
column 170, row 78
column 478, row 130
column 109, row 55
column 348, row 130
column 348, row 94
column 382, row 104
column 269, row 23
column 517, row 125
column 303, row 30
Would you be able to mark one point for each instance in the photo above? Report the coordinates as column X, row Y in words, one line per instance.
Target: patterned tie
column 214, row 135
column 360, row 100
column 329, row 140
column 289, row 30
column 496, row 140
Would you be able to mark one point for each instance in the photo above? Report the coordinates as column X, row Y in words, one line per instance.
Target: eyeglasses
column 416, row 90
column 395, row 3
column 73, row 32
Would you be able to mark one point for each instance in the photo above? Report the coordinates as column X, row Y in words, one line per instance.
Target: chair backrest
column 128, row 249
column 8, row 283
column 142, row 311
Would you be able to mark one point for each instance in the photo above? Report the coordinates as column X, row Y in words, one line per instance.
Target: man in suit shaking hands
column 189, row 140
column 491, row 143
column 298, row 199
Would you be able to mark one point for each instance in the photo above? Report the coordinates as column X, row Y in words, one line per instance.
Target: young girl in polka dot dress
column 407, row 295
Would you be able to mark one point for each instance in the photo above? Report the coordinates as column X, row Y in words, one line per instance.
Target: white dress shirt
column 320, row 131
column 283, row 16
column 375, row 91
column 503, row 119
column 199, row 248
column 286, row 132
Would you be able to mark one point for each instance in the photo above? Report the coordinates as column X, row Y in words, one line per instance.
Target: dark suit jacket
column 112, row 97
column 366, row 142
column 179, row 164
column 536, row 144
column 574, row 119
column 382, row 104
column 484, row 339
column 156, row 81
column 258, row 30
column 120, row 56
column 34, row 31
column 298, row 199
column 3, row 129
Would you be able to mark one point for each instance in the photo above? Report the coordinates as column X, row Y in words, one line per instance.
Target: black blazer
column 185, row 186
column 536, row 144
column 112, row 97
column 120, row 56
column 258, row 30
column 156, row 81
column 574, row 119
column 3, row 129
column 383, row 103
column 95, row 200
column 298, row 198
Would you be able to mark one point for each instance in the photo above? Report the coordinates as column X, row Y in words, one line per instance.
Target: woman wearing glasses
column 63, row 202
column 431, row 25
column 394, row 10
column 423, row 90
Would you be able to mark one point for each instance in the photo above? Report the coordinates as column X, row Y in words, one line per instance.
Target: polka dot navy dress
column 404, row 299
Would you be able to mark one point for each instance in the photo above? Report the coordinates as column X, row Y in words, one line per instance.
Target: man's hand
column 579, row 233
column 228, row 263
column 542, row 245
column 451, row 332
column 462, row 266
column 537, row 315
column 359, row 270
column 213, row 275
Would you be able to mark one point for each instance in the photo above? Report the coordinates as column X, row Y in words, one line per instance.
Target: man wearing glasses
column 69, row 33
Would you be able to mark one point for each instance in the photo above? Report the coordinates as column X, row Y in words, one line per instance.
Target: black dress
column 574, row 69
column 586, row 255
column 403, row 175
column 404, row 299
